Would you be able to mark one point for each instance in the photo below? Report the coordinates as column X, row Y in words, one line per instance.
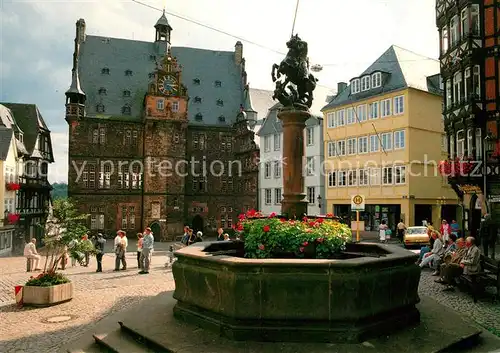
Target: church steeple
column 163, row 29
column 75, row 97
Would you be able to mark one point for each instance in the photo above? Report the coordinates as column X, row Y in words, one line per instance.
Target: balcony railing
column 34, row 181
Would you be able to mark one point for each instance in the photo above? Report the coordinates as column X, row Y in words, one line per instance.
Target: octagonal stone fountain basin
column 373, row 291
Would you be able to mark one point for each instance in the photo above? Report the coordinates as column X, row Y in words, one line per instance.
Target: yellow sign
column 357, row 203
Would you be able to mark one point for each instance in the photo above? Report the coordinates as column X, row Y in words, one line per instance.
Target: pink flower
column 241, row 216
column 272, row 215
column 305, row 243
column 320, row 240
column 329, row 215
column 305, row 219
column 266, row 228
column 261, row 247
column 301, row 249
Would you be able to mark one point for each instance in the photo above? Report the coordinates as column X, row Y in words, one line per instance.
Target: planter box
column 46, row 296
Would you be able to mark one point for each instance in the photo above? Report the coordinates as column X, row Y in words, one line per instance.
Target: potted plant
column 275, row 237
column 63, row 225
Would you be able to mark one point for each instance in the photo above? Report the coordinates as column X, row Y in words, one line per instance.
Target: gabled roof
column 201, row 68
column 261, row 100
column 6, row 135
column 30, row 120
column 402, row 69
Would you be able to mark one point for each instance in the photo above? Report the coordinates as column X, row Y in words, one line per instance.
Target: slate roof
column 405, row 69
column 120, row 55
column 5, row 140
column 30, row 121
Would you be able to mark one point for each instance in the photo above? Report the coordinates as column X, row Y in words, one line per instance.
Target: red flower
column 320, row 240
column 301, row 249
column 272, row 215
column 312, row 223
column 251, row 213
column 239, row 227
column 266, row 228
column 13, row 186
column 241, row 216
column 261, row 247
column 305, row 219
column 282, row 220
column 319, row 220
column 305, row 243
column 329, row 215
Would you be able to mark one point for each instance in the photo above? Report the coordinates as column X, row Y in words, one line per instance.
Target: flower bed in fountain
column 268, row 287
column 274, row 237
column 48, row 288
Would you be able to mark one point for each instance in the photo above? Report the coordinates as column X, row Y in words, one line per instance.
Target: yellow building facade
column 384, row 138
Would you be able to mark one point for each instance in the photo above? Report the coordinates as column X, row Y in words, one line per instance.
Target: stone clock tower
column 164, row 145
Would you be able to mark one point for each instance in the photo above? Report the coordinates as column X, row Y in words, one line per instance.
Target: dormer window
column 196, row 81
column 100, row 108
column 126, row 110
column 222, row 119
column 151, row 74
column 218, row 83
column 197, row 99
column 128, row 72
column 355, row 86
column 102, row 91
column 105, row 71
column 365, row 83
column 198, row 117
column 376, row 79
column 126, row 93
column 220, row 102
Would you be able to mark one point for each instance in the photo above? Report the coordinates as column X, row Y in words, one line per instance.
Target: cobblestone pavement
column 97, row 295
column 485, row 312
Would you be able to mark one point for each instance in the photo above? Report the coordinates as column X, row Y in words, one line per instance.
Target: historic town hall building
column 146, row 123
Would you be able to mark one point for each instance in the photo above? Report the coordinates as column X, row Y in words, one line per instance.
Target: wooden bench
column 489, row 276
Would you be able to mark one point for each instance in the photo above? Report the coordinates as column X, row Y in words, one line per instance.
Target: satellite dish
column 316, row 68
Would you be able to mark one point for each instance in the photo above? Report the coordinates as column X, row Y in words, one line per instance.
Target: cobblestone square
column 97, row 295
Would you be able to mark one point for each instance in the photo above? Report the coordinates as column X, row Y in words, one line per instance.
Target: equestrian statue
column 296, row 89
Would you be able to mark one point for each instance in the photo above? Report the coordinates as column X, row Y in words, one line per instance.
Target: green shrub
column 47, row 279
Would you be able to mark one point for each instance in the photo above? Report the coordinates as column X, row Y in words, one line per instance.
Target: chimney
column 238, row 53
column 341, row 86
column 80, row 26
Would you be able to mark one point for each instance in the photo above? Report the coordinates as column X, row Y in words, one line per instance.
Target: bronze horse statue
column 295, row 68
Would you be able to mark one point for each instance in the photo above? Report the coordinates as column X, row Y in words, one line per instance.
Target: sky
column 345, row 37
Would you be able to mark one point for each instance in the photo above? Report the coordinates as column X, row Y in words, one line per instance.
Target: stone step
column 94, row 347
column 119, row 341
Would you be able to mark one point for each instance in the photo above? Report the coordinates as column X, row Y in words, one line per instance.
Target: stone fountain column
column 294, row 204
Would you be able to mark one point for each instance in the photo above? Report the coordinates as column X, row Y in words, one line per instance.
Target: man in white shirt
column 31, row 253
column 121, row 243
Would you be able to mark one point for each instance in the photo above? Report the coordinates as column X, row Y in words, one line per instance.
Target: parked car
column 416, row 236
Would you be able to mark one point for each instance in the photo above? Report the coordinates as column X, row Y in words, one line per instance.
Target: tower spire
column 75, row 93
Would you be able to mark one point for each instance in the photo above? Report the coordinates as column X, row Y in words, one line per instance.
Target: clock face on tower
column 168, row 84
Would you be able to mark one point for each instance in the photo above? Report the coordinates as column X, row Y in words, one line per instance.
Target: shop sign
column 470, row 189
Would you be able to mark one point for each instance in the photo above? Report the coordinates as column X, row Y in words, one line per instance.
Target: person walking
column 121, row 243
column 99, row 247
column 382, row 228
column 401, row 230
column 88, row 244
column 148, row 242
column 445, row 231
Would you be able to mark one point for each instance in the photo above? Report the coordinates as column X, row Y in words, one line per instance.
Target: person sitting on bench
column 31, row 254
column 469, row 265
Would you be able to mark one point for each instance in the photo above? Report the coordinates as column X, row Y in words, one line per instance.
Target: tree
column 64, row 225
